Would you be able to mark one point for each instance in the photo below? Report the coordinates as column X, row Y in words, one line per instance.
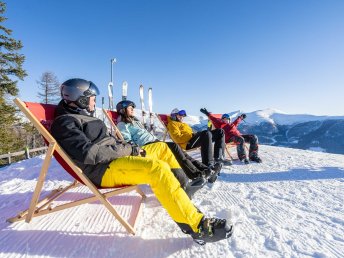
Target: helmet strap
column 82, row 102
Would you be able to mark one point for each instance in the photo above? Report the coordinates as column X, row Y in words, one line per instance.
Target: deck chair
column 230, row 144
column 42, row 115
column 112, row 117
column 164, row 121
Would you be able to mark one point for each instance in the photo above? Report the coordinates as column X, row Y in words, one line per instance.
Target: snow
column 319, row 149
column 291, row 205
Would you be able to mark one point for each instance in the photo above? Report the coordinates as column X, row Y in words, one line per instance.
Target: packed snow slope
column 291, row 205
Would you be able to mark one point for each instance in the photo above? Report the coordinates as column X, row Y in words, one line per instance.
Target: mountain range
column 276, row 128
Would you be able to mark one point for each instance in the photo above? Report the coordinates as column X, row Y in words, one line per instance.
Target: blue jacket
column 135, row 132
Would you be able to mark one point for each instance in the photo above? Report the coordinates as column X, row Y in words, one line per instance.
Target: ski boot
column 194, row 186
column 206, row 173
column 216, row 168
column 212, row 230
column 245, row 160
column 225, row 162
column 256, row 159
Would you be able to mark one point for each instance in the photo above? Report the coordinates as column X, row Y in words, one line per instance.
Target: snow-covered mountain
column 275, row 116
column 291, row 205
column 273, row 127
column 269, row 115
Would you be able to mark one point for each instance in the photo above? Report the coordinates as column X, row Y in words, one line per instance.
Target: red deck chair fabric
column 164, row 121
column 45, row 113
column 164, row 118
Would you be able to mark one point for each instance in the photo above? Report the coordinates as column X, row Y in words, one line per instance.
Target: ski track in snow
column 291, row 205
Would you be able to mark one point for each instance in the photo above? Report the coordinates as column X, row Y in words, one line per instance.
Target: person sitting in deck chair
column 133, row 131
column 233, row 135
column 108, row 162
column 182, row 134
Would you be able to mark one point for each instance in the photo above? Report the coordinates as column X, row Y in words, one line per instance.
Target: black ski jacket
column 87, row 141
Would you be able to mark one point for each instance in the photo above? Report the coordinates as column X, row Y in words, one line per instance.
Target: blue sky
column 223, row 55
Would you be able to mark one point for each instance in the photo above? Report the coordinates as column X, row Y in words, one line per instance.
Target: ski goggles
column 225, row 116
column 92, row 90
column 181, row 112
column 127, row 103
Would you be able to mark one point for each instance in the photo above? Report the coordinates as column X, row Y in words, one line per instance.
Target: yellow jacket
column 180, row 132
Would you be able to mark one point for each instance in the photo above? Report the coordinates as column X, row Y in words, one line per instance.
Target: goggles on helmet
column 127, row 103
column 181, row 112
column 226, row 116
column 92, row 90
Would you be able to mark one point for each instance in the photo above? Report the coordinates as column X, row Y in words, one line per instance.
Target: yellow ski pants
column 161, row 151
column 133, row 170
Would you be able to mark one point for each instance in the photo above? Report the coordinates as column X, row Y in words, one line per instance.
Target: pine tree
column 10, row 68
column 49, row 88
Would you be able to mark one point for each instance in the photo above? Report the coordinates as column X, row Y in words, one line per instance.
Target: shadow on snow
column 290, row 175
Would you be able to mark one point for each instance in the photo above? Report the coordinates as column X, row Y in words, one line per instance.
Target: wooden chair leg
column 39, row 185
column 228, row 153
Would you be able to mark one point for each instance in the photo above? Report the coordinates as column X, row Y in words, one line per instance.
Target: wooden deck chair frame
column 165, row 127
column 114, row 127
column 41, row 207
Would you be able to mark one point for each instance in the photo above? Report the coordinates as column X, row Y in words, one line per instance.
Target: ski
column 103, row 102
column 143, row 107
column 124, row 90
column 150, row 109
column 110, row 85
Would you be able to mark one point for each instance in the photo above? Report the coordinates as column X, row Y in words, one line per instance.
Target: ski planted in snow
column 143, row 107
column 150, row 109
column 103, row 102
column 124, row 90
column 110, row 85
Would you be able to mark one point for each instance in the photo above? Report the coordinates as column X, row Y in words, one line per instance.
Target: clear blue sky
column 223, row 55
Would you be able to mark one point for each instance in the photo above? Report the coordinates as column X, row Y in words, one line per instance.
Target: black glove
column 135, row 149
column 143, row 152
column 204, row 111
column 243, row 116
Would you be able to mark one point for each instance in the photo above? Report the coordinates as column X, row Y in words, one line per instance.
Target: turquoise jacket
column 135, row 132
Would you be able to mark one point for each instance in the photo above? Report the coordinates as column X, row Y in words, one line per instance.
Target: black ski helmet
column 78, row 91
column 122, row 105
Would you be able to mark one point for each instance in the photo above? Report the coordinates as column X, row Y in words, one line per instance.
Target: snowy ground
column 292, row 205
